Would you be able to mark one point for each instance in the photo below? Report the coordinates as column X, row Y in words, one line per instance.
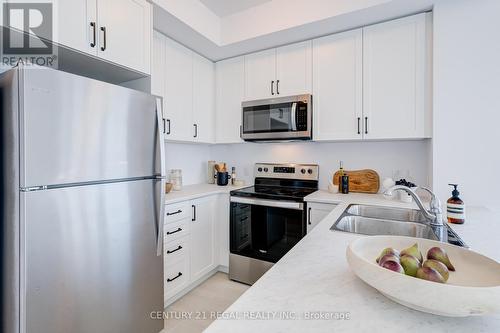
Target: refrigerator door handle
column 160, row 218
column 161, row 134
column 161, row 204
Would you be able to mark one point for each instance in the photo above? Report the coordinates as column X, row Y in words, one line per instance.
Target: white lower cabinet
column 316, row 212
column 191, row 249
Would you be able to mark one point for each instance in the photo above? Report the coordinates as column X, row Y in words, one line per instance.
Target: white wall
column 384, row 157
column 191, row 159
column 466, row 144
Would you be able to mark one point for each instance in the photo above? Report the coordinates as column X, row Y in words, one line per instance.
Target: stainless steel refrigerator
column 81, row 205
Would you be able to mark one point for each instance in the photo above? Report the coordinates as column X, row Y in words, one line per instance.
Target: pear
column 439, row 254
column 438, row 266
column 393, row 266
column 413, row 251
column 430, row 274
column 388, row 257
column 410, row 264
column 388, row 250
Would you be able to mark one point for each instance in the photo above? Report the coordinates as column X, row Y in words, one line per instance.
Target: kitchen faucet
column 435, row 213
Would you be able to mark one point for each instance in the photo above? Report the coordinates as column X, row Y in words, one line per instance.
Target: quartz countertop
column 190, row 192
column 313, row 280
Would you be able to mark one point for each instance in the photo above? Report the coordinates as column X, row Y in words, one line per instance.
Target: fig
column 439, row 254
column 410, row 264
column 429, row 274
column 387, row 257
column 413, row 251
column 438, row 266
column 393, row 266
column 388, row 250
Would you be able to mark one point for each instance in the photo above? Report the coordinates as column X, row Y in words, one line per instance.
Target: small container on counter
column 176, row 179
column 211, row 172
column 455, row 207
column 233, row 176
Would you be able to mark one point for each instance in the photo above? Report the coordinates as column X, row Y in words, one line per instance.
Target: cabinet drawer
column 178, row 211
column 175, row 250
column 176, row 276
column 175, row 230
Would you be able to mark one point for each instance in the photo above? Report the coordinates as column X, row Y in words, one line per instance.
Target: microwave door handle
column 294, row 116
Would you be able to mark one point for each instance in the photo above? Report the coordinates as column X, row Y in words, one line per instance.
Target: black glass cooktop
column 282, row 190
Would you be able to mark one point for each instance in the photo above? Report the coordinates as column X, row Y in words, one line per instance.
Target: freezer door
column 74, row 129
column 89, row 261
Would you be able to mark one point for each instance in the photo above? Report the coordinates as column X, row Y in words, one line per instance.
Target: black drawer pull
column 174, row 213
column 177, row 249
column 174, row 232
column 244, row 219
column 178, row 276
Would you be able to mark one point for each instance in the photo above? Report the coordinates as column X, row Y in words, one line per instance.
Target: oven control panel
column 287, row 171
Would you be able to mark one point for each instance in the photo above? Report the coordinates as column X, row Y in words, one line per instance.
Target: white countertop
column 314, row 277
column 190, row 192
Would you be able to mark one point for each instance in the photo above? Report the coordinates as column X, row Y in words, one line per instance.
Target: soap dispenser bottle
column 455, row 207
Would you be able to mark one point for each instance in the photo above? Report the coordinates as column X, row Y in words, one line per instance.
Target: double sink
column 374, row 220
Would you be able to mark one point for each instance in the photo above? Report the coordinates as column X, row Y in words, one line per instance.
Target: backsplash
column 409, row 157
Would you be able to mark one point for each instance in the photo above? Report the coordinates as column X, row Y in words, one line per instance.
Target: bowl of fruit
column 427, row 275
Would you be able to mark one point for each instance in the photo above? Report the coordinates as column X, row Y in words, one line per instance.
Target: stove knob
column 259, row 169
column 266, row 169
column 303, row 171
column 310, row 171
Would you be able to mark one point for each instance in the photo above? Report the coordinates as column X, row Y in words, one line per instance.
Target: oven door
column 265, row 229
column 277, row 119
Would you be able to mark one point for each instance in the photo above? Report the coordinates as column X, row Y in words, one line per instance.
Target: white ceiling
column 223, row 8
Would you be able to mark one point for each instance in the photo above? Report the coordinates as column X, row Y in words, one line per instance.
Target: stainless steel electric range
column 269, row 218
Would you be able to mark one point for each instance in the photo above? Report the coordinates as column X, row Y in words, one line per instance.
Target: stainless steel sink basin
column 375, row 220
column 371, row 226
column 387, row 213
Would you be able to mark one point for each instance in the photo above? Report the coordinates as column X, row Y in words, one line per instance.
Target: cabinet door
column 316, row 213
column 260, row 75
column 338, row 86
column 202, row 237
column 394, row 61
column 293, row 69
column 203, row 99
column 125, row 29
column 230, row 86
column 78, row 25
column 178, row 91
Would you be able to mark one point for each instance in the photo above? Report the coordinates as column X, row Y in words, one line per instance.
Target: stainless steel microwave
column 282, row 118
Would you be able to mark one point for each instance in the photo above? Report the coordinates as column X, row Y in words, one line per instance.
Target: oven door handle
column 269, row 203
column 294, row 116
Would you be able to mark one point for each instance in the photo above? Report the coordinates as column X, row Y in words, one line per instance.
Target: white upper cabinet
column 293, row 69
column 230, row 86
column 78, row 25
column 125, row 29
column 186, row 81
column 278, row 72
column 338, row 86
column 260, row 75
column 178, row 95
column 395, row 79
column 203, row 246
column 203, row 99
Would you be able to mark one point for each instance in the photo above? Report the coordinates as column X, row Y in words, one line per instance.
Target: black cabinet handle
column 92, row 25
column 272, row 87
column 172, row 279
column 195, row 130
column 359, row 125
column 103, row 48
column 168, row 123
column 177, row 249
column 194, row 213
column 244, row 219
column 174, row 213
column 366, row 125
column 277, row 87
column 174, row 232
column 309, row 216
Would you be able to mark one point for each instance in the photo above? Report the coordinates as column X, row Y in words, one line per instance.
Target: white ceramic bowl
column 473, row 289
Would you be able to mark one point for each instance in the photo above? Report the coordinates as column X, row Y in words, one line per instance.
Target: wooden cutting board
column 361, row 181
